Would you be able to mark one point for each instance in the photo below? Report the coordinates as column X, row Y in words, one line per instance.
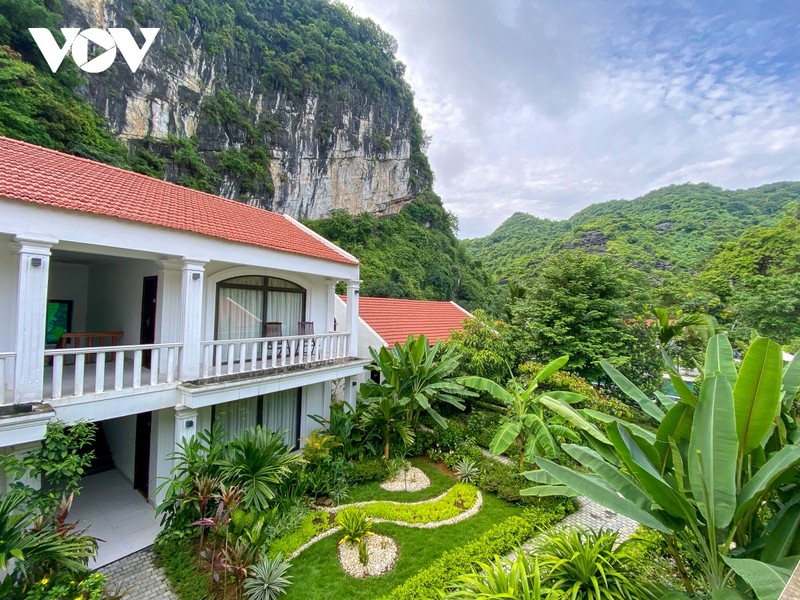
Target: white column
column 168, row 319
column 191, row 317
column 185, row 424
column 331, row 315
column 34, row 269
column 352, row 314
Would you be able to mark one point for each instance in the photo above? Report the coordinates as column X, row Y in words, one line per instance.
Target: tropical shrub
column 466, row 470
column 256, row 461
column 268, row 579
column 373, row 468
column 355, row 526
column 61, row 586
column 591, row 565
column 344, row 425
column 417, row 376
column 534, row 423
column 59, row 464
column 720, row 474
column 501, row 578
column 387, row 415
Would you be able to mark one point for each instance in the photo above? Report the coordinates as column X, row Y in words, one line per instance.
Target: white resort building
column 154, row 310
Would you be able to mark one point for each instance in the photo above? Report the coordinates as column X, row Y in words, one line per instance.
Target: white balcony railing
column 226, row 357
column 80, row 371
column 6, row 375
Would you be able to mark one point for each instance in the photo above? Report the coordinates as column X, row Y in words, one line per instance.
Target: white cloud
column 538, row 107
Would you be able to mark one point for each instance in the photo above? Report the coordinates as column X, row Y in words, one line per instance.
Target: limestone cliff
column 218, row 77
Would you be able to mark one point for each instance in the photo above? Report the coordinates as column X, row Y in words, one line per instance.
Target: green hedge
column 499, row 540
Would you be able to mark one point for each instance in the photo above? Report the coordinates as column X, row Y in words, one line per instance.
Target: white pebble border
column 382, row 555
column 412, row 480
column 467, row 514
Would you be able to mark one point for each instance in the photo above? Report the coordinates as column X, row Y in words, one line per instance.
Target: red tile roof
column 394, row 319
column 35, row 174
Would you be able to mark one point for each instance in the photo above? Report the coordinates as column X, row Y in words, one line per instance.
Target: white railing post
column 119, row 370
column 80, row 362
column 100, row 372
column 58, row 375
column 137, row 368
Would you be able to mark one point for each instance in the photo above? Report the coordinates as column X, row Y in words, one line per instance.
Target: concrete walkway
column 138, row 577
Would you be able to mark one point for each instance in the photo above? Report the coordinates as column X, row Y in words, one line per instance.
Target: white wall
column 115, row 297
column 121, row 436
column 70, row 282
column 315, row 402
column 367, row 338
column 9, row 272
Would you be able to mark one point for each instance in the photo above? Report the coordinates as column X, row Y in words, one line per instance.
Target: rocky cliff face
column 339, row 148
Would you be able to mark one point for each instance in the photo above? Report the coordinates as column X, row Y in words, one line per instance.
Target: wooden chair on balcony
column 306, row 328
column 274, row 329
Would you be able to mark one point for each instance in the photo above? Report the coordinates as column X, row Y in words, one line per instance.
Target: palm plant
column 534, row 422
column 268, row 578
column 417, row 376
column 591, row 565
column 721, row 474
column 387, row 415
column 256, row 461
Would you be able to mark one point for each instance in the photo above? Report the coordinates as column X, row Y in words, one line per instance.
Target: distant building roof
column 393, row 319
column 34, row 174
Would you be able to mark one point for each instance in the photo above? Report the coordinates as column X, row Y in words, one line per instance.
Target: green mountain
column 667, row 233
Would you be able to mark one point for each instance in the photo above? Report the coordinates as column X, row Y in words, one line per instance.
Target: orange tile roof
column 394, row 319
column 35, row 174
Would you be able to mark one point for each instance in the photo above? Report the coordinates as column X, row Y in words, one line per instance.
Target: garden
column 443, row 484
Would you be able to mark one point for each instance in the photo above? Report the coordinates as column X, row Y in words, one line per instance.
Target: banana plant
column 418, row 377
column 535, row 422
column 719, row 475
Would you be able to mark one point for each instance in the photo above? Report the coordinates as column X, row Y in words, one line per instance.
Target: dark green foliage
column 497, row 541
column 672, row 229
column 373, row 468
column 583, row 305
column 413, row 254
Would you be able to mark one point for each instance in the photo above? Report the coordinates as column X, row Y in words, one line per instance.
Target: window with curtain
column 245, row 304
column 278, row 412
column 237, row 416
column 282, row 414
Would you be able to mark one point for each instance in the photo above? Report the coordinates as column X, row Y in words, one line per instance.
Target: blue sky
column 546, row 106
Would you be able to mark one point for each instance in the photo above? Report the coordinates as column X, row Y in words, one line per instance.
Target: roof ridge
column 129, row 172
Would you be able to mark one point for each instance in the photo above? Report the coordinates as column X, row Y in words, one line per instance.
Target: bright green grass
column 440, row 482
column 317, row 575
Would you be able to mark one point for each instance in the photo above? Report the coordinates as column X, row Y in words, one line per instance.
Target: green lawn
column 316, row 572
column 440, row 483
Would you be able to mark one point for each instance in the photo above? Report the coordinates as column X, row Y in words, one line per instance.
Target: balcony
column 102, row 372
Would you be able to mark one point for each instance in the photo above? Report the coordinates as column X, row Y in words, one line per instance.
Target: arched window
column 246, row 304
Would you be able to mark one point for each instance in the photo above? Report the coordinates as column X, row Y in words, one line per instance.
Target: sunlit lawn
column 316, row 572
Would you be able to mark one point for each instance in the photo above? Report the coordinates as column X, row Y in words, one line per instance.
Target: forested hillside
column 413, row 254
column 673, row 229
column 693, row 249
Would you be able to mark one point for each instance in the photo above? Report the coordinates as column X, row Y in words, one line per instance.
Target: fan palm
column 256, row 462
